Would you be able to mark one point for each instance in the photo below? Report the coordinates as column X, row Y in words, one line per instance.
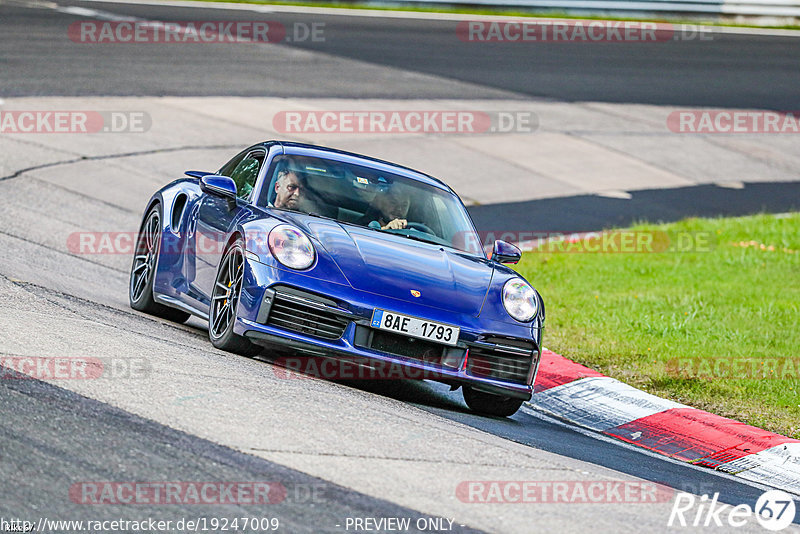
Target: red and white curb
column 582, row 396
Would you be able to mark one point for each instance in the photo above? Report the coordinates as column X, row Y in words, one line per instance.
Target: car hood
column 394, row 266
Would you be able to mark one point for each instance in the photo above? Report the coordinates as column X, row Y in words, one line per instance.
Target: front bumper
column 491, row 356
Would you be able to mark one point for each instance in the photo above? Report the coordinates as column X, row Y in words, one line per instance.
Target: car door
column 217, row 217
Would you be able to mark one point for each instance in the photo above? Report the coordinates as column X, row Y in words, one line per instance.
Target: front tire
column 490, row 404
column 143, row 269
column 224, row 302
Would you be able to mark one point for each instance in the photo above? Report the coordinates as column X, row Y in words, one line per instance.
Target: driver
column 289, row 190
column 388, row 211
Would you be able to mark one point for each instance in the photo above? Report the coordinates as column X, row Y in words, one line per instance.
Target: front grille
column 399, row 345
column 292, row 314
column 486, row 362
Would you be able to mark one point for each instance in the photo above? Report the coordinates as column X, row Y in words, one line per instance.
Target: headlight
column 520, row 300
column 291, row 247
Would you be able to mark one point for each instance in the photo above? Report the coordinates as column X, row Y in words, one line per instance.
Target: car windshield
column 368, row 197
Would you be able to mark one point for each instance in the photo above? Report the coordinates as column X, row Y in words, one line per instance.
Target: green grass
column 476, row 10
column 628, row 314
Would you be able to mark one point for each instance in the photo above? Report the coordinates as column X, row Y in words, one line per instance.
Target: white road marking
column 94, row 14
column 730, row 185
column 622, row 195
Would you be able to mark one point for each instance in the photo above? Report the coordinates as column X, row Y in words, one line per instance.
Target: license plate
column 415, row 327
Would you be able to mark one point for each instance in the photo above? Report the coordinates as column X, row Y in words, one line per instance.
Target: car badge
column 415, row 293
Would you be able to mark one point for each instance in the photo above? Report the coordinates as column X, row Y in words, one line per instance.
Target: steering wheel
column 420, row 227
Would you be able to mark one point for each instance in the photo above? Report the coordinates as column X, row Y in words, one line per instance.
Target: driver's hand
column 396, row 224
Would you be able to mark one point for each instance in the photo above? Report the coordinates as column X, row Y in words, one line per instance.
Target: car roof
column 303, row 149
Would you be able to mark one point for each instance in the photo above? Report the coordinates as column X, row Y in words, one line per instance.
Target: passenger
column 389, row 210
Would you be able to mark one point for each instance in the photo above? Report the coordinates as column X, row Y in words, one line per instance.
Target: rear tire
column 145, row 260
column 224, row 302
column 490, row 404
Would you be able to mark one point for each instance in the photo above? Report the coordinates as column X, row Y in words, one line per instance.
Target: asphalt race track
column 727, row 71
column 587, row 213
column 176, row 409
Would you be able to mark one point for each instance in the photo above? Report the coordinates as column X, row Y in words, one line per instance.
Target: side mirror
column 505, row 252
column 221, row 186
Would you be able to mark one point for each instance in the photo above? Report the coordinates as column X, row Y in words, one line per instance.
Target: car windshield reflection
column 370, row 198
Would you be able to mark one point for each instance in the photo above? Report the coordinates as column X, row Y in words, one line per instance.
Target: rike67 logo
column 774, row 510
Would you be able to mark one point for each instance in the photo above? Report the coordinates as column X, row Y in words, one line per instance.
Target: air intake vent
column 418, row 349
column 303, row 316
column 500, row 362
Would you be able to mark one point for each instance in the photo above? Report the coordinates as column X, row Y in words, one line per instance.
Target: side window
column 229, row 167
column 246, row 172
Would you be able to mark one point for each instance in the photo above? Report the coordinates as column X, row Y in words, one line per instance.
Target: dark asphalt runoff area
column 58, row 446
column 587, row 213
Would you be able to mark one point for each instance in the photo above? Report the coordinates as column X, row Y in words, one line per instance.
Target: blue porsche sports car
column 326, row 254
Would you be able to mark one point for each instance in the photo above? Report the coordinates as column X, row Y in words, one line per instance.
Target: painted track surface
column 390, row 449
column 582, row 396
